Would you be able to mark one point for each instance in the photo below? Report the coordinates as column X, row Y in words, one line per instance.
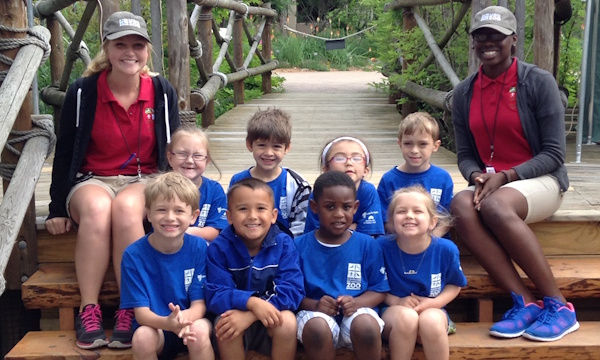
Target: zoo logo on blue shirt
column 354, row 277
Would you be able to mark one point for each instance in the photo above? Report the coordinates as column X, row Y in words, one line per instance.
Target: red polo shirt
column 120, row 136
column 494, row 119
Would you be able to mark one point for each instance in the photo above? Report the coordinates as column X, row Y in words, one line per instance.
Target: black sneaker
column 88, row 328
column 123, row 331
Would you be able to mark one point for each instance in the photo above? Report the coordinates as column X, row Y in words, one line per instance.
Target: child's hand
column 347, row 305
column 328, row 305
column 187, row 335
column 424, row 303
column 265, row 312
column 409, row 301
column 176, row 320
column 233, row 323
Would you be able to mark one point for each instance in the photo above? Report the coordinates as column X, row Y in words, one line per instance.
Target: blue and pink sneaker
column 556, row 321
column 516, row 320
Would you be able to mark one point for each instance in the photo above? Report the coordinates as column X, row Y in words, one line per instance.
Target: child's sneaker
column 123, row 331
column 88, row 328
column 516, row 320
column 556, row 321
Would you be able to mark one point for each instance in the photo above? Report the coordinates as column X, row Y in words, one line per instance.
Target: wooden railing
column 199, row 47
column 17, row 196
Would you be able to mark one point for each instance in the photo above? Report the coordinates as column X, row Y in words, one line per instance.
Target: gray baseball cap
column 123, row 23
column 495, row 17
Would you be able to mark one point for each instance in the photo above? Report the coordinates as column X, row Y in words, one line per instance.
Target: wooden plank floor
column 324, row 105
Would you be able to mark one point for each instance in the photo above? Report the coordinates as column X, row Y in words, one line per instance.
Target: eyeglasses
column 184, row 156
column 342, row 159
column 495, row 36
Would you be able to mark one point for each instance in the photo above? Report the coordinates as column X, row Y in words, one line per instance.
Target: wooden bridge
column 344, row 104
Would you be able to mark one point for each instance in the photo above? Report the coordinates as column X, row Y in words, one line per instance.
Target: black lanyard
column 133, row 155
column 491, row 136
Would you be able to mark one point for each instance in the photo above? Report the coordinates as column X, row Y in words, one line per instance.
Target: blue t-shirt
column 152, row 279
column 351, row 268
column 435, row 180
column 279, row 190
column 368, row 216
column 425, row 274
column 213, row 205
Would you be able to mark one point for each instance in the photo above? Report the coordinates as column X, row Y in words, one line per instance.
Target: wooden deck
column 330, row 104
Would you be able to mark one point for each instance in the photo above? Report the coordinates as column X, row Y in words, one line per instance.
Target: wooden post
column 266, row 53
column 476, row 6
column 179, row 52
column 23, row 262
column 408, row 23
column 205, row 36
column 57, row 60
column 520, row 16
column 238, row 58
column 109, row 7
column 157, row 45
column 543, row 35
column 136, row 7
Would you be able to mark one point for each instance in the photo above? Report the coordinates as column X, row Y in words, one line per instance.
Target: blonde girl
column 424, row 275
column 189, row 155
column 351, row 156
column 115, row 124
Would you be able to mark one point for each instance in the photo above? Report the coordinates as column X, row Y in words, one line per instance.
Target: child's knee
column 366, row 328
column 288, row 326
column 317, row 332
column 145, row 340
column 433, row 321
column 202, row 328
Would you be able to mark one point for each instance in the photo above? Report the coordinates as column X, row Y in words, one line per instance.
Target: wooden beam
column 476, row 6
column 156, row 36
column 238, row 7
column 179, row 52
column 543, row 35
column 437, row 52
column 205, row 21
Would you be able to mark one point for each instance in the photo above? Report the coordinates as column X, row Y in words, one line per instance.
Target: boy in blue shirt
column 163, row 275
column 254, row 280
column 344, row 277
column 418, row 137
column 269, row 135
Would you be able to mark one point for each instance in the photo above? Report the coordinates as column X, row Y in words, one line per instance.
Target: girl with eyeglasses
column 510, row 144
column 351, row 156
column 189, row 155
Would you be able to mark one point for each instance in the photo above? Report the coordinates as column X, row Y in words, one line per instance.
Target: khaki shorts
column 112, row 184
column 543, row 196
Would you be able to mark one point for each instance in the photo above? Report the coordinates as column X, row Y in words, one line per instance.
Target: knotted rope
column 42, row 126
column 34, row 38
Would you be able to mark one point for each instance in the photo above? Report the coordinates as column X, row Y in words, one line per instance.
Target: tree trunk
column 179, row 53
column 543, row 35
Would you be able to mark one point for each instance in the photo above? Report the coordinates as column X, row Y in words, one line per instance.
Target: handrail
column 13, row 91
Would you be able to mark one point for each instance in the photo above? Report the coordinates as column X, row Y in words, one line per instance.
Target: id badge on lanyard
column 489, row 169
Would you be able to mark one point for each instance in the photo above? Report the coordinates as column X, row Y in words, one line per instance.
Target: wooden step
column 471, row 341
column 55, row 285
column 567, row 232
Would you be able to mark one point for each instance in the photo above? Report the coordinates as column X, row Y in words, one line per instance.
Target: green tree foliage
column 395, row 45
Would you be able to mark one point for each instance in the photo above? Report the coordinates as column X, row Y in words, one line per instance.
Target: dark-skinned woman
column 510, row 140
